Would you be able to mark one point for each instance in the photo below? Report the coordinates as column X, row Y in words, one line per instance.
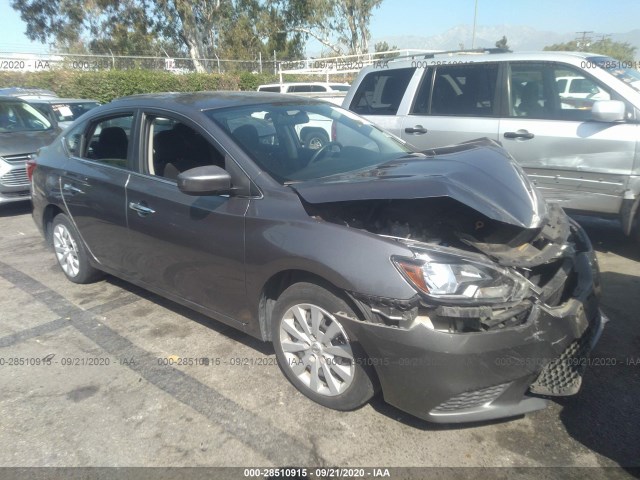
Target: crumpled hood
column 479, row 174
column 16, row 143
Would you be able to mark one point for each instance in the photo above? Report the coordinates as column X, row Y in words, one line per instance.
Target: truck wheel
column 316, row 353
column 316, row 140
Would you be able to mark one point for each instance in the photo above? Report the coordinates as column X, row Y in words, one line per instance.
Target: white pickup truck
column 317, row 132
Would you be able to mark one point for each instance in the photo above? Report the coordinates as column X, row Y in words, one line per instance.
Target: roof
column 9, row 98
column 64, row 100
column 446, row 58
column 210, row 100
column 27, row 92
column 324, row 84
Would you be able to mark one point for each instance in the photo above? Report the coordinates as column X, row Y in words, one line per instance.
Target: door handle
column 519, row 134
column 419, row 129
column 142, row 210
column 67, row 187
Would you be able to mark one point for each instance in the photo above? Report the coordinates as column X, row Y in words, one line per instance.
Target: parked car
column 304, row 87
column 441, row 278
column 64, row 111
column 22, row 131
column 578, row 148
column 60, row 111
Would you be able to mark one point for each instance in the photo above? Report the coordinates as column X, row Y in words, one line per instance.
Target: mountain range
column 519, row 38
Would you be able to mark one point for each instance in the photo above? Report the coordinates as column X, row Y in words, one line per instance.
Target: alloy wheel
column 317, row 349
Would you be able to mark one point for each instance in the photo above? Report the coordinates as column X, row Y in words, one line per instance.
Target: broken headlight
column 449, row 278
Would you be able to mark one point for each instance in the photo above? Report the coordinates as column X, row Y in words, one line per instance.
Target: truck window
column 468, row 90
column 381, row 92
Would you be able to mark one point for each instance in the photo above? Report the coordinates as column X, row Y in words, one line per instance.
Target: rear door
column 380, row 95
column 580, row 163
column 189, row 247
column 453, row 104
column 93, row 184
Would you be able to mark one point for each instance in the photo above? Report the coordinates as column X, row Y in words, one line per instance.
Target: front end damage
column 504, row 314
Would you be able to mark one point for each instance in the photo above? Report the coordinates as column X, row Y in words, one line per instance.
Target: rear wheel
column 316, row 353
column 71, row 253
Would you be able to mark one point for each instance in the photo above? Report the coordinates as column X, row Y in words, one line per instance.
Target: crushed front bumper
column 466, row 377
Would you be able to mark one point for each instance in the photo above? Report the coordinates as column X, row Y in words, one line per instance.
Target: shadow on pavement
column 607, row 237
column 605, row 416
column 15, row 209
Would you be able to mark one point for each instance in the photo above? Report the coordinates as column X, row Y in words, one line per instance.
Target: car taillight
column 31, row 167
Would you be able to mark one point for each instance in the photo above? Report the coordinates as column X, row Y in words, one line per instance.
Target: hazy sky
column 431, row 17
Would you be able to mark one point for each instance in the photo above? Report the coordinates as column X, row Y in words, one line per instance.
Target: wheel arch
column 48, row 214
column 280, row 281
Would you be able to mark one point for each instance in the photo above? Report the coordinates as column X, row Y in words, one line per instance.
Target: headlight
column 460, row 280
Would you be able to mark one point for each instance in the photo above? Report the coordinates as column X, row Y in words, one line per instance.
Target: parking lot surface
column 110, row 375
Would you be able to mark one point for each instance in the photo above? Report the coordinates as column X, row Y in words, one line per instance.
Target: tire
column 71, row 253
column 331, row 371
column 316, row 140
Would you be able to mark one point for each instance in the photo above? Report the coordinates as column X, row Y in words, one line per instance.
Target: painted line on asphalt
column 257, row 433
column 53, row 325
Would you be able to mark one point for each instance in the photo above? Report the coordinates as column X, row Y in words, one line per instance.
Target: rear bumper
column 449, row 378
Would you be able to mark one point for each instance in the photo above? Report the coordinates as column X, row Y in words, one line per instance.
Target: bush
column 105, row 85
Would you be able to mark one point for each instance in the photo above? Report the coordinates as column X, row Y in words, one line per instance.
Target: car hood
column 479, row 174
column 15, row 143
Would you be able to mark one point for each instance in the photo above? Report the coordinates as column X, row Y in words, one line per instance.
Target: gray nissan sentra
column 440, row 278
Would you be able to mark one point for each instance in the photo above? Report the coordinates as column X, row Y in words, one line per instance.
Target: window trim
column 91, row 122
column 496, row 108
column 567, row 66
column 245, row 187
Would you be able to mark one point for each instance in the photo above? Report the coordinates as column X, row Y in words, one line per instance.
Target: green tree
column 340, row 25
column 502, row 43
column 384, row 47
column 619, row 50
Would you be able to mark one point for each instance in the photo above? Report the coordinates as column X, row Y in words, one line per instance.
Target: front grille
column 473, row 399
column 17, row 159
column 15, row 178
column 563, row 376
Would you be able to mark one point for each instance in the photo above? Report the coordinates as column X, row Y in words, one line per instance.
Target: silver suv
column 23, row 130
column 581, row 150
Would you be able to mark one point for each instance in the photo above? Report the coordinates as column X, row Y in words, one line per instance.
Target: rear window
column 381, row 92
column 269, row 89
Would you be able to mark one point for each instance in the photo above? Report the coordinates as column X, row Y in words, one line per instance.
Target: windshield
column 21, row 117
column 340, row 88
column 621, row 70
column 298, row 142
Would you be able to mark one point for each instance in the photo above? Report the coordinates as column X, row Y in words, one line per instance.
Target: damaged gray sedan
column 440, row 278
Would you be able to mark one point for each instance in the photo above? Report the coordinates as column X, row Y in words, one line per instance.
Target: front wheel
column 70, row 252
column 315, row 352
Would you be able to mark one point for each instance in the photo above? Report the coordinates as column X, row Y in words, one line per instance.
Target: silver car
column 23, row 130
column 581, row 149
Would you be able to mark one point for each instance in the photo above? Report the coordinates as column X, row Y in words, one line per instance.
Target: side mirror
column 608, row 111
column 207, row 180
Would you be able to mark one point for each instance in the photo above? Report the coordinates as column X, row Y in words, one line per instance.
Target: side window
column 175, row 147
column 381, row 92
column 73, row 139
column 108, row 140
column 468, row 90
column 269, row 89
column 554, row 92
